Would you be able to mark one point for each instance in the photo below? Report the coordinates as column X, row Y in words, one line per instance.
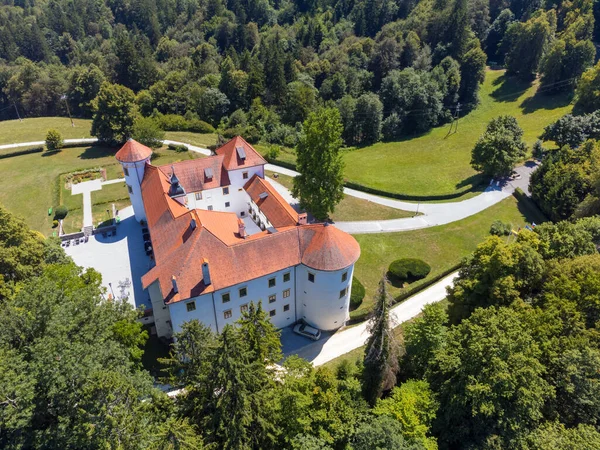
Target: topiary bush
column 61, row 212
column 357, row 295
column 54, row 140
column 408, row 270
column 500, row 228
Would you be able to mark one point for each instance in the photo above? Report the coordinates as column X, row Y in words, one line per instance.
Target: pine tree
column 380, row 362
column 260, row 334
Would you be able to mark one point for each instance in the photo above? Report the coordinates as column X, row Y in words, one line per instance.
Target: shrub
column 357, row 295
column 54, row 140
column 172, row 122
column 408, row 269
column 200, row 126
column 147, row 131
column 273, row 152
column 178, row 147
column 500, row 228
column 61, row 212
column 54, row 223
column 538, row 150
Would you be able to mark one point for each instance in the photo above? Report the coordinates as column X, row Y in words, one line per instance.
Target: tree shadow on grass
column 510, row 88
column 546, row 100
column 476, row 181
column 95, row 152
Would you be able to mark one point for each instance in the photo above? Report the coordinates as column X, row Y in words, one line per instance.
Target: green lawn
column 352, row 208
column 34, row 129
column 435, row 163
column 442, row 247
column 200, row 140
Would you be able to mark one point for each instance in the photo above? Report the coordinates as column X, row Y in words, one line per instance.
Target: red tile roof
column 191, row 173
column 133, row 151
column 275, row 208
column 325, row 247
column 232, row 161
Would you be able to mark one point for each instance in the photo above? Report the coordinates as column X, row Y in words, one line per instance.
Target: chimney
column 242, row 228
column 302, row 219
column 174, row 281
column 205, row 272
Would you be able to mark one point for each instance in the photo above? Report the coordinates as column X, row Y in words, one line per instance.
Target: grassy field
column 352, row 208
column 34, row 129
column 435, row 163
column 32, row 183
column 200, row 140
column 441, row 247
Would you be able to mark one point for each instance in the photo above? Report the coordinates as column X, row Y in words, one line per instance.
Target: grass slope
column 34, row 129
column 442, row 247
column 436, row 164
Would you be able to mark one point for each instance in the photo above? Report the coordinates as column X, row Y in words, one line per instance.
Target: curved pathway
column 431, row 214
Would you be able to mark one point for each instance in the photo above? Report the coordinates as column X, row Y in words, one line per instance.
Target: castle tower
column 133, row 157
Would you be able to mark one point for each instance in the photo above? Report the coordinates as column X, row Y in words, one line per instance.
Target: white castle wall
column 133, row 178
column 319, row 303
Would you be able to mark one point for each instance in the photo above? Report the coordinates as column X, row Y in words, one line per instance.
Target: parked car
column 307, row 331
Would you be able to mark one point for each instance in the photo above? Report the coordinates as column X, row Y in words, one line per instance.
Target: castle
column 222, row 237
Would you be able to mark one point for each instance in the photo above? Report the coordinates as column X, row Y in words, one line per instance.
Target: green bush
column 54, row 140
column 61, row 212
column 178, row 147
column 148, row 132
column 408, row 269
column 200, row 126
column 357, row 295
column 172, row 122
column 500, row 228
column 54, row 223
column 273, row 152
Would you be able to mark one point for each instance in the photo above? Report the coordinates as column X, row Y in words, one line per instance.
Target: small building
column 222, row 237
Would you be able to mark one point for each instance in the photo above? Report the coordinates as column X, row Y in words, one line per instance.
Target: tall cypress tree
column 380, row 362
column 260, row 335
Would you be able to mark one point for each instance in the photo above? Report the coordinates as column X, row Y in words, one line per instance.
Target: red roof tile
column 191, row 173
column 274, row 207
column 232, row 160
column 133, row 151
column 325, row 247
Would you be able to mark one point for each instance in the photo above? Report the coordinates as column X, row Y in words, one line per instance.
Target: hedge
column 408, row 269
column 61, row 212
column 358, row 294
column 22, row 152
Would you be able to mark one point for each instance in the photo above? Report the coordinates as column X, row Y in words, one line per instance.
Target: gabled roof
column 233, row 152
column 192, row 173
column 133, row 151
column 271, row 203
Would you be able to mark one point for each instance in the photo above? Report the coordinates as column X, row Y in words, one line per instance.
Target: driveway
column 333, row 345
column 120, row 259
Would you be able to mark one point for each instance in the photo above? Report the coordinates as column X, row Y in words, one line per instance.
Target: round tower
column 133, row 157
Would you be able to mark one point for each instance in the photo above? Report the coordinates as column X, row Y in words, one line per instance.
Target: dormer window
column 241, row 153
column 208, row 173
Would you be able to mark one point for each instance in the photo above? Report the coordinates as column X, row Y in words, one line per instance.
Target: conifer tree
column 380, row 362
column 260, row 334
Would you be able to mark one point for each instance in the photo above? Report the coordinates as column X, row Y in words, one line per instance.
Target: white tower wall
column 319, row 302
column 134, row 174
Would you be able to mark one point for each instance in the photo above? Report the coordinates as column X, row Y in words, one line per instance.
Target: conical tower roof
column 133, row 151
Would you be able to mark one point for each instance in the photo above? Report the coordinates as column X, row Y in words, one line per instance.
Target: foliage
column 381, row 433
column 358, row 293
column 557, row 436
column 408, row 269
column 147, row 132
column 60, row 212
column 320, row 184
column 573, row 130
column 54, row 140
column 588, row 90
column 500, row 148
column 500, row 228
column 380, row 361
column 114, row 114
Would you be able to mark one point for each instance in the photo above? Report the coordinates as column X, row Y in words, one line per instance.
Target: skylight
column 208, row 172
column 241, row 152
column 263, row 195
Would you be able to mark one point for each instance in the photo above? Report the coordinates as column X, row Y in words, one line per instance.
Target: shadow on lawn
column 95, row 152
column 510, row 88
column 475, row 181
column 546, row 100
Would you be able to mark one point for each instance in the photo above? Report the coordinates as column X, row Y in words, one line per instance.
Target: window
column 129, row 189
column 311, row 277
column 243, row 292
column 245, row 175
column 286, row 293
column 225, row 297
column 126, row 171
column 243, row 214
column 272, row 298
column 343, row 293
column 225, row 191
column 272, row 313
column 271, row 282
column 191, row 306
column 226, row 204
column 227, row 314
column 198, row 195
column 286, row 307
column 210, row 208
column 286, row 277
column 244, row 308
column 344, row 276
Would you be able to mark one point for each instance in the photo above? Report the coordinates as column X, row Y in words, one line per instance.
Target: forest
column 258, row 67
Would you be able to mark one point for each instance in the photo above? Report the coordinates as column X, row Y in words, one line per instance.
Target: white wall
column 134, row 179
column 259, row 290
column 204, row 312
column 237, row 179
column 238, row 200
column 319, row 303
column 162, row 317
